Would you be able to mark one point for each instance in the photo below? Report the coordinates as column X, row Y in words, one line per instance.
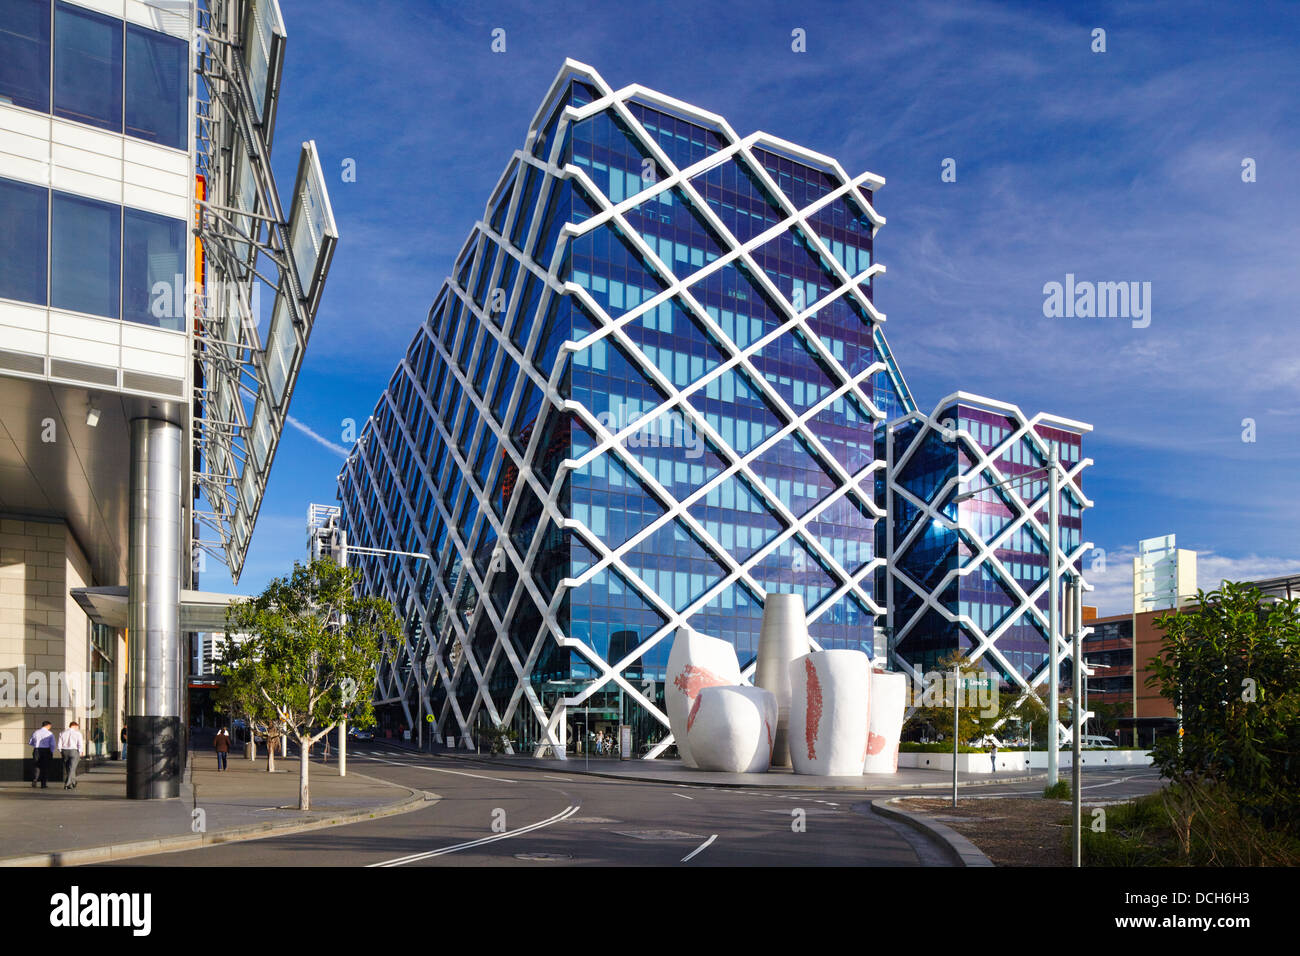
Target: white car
column 1094, row 742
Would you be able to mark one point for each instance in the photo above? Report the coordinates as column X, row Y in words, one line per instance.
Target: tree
column 1231, row 666
column 240, row 695
column 310, row 654
column 933, row 716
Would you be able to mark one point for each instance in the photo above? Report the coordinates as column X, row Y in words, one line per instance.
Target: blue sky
column 1117, row 166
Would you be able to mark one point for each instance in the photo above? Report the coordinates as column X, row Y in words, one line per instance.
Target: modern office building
column 971, row 575
column 647, row 395
column 643, row 399
column 143, row 376
column 1164, row 575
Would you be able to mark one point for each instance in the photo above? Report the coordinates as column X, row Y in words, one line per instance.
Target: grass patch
column 1057, row 791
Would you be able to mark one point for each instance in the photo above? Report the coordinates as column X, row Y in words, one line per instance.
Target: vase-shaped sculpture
column 730, row 729
column 888, row 703
column 695, row 662
column 782, row 638
column 830, row 697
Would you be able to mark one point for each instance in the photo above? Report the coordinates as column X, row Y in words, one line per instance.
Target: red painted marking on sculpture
column 695, row 709
column 694, row 679
column 768, row 728
column 875, row 744
column 866, row 747
column 814, row 714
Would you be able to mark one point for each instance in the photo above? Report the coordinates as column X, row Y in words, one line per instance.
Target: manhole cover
column 658, row 834
column 544, row 857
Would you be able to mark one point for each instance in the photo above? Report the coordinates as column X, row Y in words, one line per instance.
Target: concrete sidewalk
column 672, row 771
column 96, row 823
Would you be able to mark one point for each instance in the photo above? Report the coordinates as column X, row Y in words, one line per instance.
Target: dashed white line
column 683, row 796
column 699, row 849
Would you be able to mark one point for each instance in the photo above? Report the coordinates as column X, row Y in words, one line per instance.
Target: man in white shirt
column 42, row 744
column 70, row 744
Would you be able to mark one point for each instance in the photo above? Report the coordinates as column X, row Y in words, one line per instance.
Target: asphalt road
column 495, row 814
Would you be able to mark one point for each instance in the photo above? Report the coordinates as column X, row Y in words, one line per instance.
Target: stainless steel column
column 782, row 637
column 154, row 761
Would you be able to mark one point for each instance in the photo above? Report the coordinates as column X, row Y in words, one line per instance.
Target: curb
column 563, row 766
column 122, row 851
column 959, row 849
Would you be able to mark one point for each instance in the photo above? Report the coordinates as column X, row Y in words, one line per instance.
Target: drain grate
column 544, row 857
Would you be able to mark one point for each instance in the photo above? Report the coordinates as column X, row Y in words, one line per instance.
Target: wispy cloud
column 317, row 437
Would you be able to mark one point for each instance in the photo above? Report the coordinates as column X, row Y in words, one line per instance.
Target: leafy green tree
column 310, row 654
column 933, row 715
column 1231, row 666
column 240, row 695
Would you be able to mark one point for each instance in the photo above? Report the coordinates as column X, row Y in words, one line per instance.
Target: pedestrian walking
column 327, row 748
column 122, row 754
column 99, row 741
column 993, row 755
column 221, row 743
column 42, row 744
column 71, row 744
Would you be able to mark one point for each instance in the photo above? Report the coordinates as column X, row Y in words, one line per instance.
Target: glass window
column 25, row 53
column 153, row 267
column 157, row 87
column 85, row 255
column 23, row 210
column 88, row 67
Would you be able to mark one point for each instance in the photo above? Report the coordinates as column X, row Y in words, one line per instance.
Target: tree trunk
column 304, row 797
column 270, row 752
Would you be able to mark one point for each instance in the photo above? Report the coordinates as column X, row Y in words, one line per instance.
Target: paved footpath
column 96, row 823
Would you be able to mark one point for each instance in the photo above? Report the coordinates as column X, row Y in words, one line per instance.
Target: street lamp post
column 956, row 704
column 342, row 550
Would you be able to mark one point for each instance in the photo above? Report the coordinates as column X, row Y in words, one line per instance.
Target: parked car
column 1095, row 742
column 357, row 733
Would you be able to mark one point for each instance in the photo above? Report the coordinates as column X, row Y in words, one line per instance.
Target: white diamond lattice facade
column 647, row 396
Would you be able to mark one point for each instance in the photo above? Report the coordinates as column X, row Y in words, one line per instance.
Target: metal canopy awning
column 200, row 610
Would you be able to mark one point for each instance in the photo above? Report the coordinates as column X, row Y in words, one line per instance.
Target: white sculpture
column 888, row 702
column 782, row 638
column 731, row 729
column 695, row 662
column 830, row 712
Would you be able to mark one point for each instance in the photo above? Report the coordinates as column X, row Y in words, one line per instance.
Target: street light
column 342, row 551
column 1053, row 519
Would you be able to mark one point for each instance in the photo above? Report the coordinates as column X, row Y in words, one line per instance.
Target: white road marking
column 683, row 796
column 416, row 857
column 703, row 846
column 458, row 773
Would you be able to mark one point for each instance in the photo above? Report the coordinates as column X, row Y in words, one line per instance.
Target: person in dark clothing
column 222, row 745
column 42, row 744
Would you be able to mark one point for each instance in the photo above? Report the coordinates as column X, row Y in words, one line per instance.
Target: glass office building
column 972, row 575
column 139, row 409
column 644, row 398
